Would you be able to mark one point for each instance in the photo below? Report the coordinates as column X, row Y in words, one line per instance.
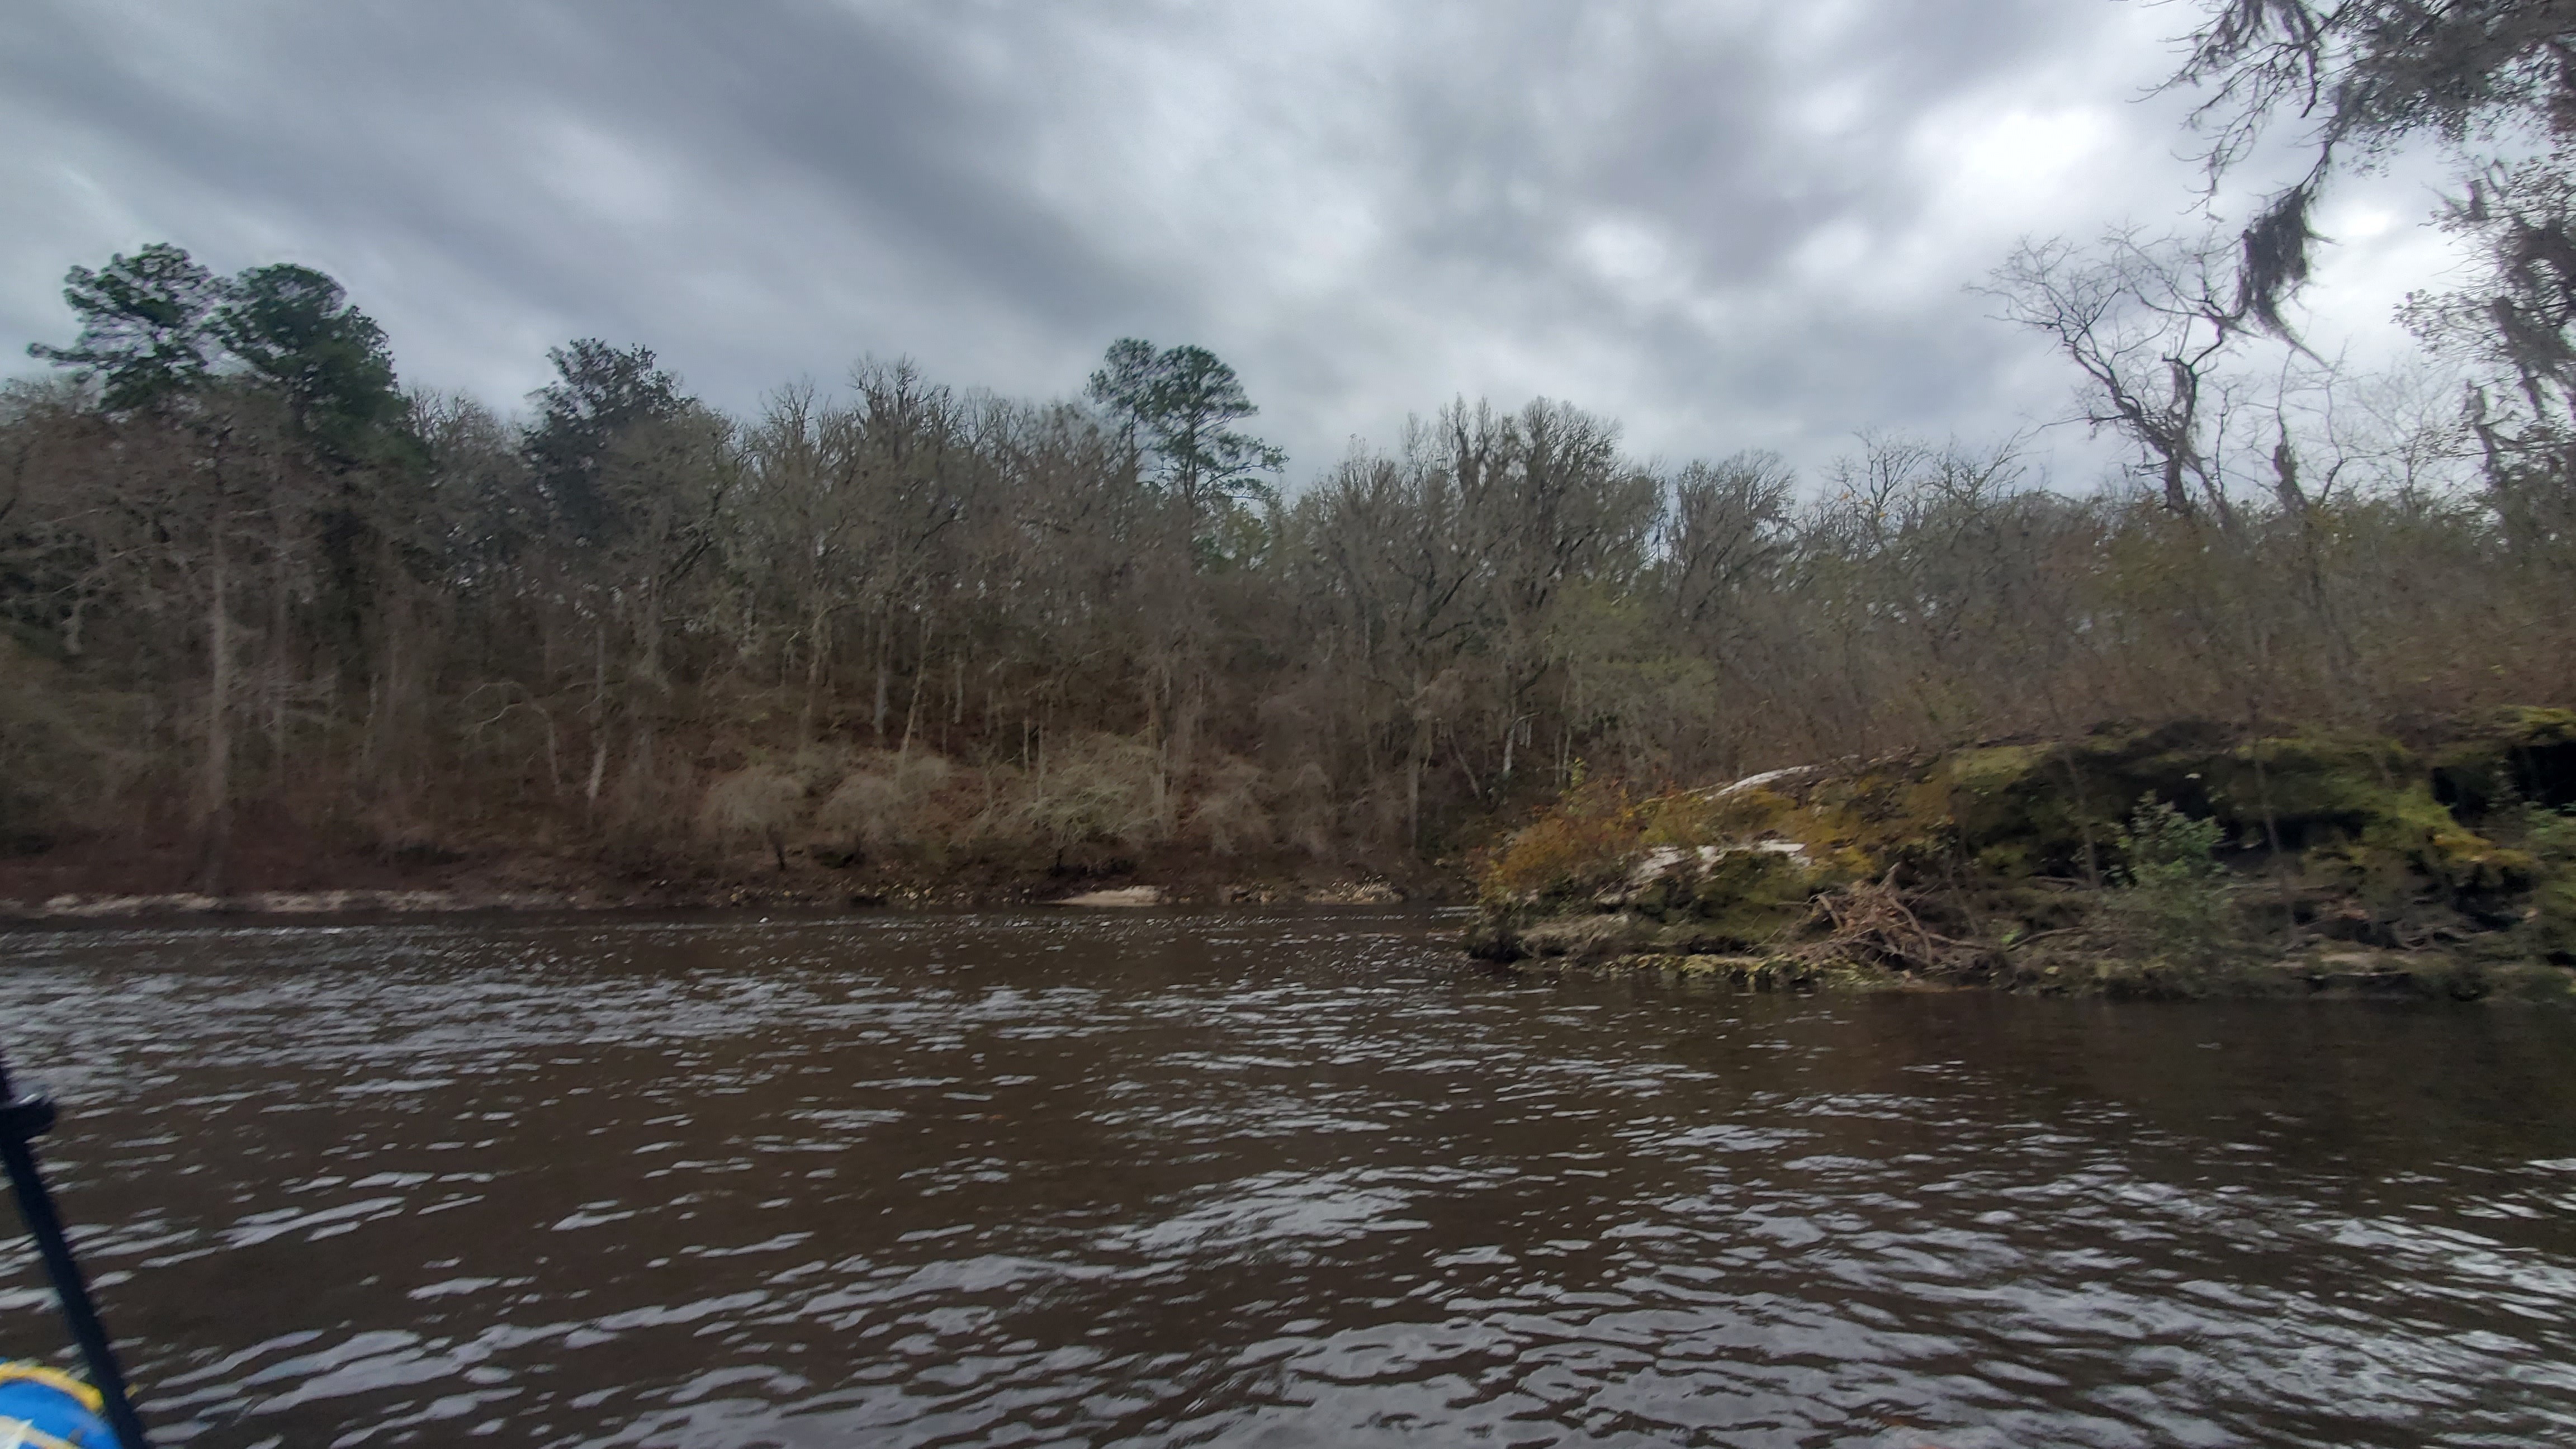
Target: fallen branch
column 1870, row 922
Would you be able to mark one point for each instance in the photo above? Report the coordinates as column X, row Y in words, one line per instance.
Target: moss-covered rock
column 1953, row 866
column 1745, row 898
column 2023, row 810
column 1588, row 937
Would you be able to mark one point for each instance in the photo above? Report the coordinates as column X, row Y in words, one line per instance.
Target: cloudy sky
column 1727, row 224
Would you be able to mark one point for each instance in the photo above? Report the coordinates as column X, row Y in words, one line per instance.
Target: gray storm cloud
column 1727, row 226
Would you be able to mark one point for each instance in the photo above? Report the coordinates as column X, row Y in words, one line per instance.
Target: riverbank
column 104, row 883
column 2416, row 975
column 2184, row 861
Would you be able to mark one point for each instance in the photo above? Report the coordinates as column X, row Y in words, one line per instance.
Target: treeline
column 901, row 620
column 244, row 576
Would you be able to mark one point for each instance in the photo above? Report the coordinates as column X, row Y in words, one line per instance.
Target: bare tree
column 2149, row 322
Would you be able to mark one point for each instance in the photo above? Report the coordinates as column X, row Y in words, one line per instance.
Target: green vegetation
column 2242, row 863
column 2172, row 899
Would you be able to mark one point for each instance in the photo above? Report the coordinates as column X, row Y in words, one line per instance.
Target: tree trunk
column 281, row 666
column 885, row 627
column 814, row 654
column 215, row 785
column 1413, row 802
column 598, row 724
column 920, row 672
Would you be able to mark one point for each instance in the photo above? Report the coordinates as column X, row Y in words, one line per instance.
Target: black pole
column 22, row 1121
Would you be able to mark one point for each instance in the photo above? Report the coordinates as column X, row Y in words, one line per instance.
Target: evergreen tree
column 292, row 328
column 1174, row 406
column 148, row 327
column 600, row 393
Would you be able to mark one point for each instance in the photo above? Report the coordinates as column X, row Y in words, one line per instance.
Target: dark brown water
column 1269, row 1179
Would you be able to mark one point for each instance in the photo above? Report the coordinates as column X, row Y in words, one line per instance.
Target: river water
column 1267, row 1179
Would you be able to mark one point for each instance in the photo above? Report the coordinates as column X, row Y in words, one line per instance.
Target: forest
column 272, row 618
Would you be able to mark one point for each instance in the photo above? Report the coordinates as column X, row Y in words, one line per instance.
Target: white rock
column 1143, row 895
column 1751, row 782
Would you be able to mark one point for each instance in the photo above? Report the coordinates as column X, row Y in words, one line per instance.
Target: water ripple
column 1277, row 1179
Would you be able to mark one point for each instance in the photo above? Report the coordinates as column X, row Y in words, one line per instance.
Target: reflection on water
column 1268, row 1179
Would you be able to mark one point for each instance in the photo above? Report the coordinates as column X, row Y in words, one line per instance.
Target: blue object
column 42, row 1408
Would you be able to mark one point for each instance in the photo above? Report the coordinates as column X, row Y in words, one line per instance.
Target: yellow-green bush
column 1589, row 839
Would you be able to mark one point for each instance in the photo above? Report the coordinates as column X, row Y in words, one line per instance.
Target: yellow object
column 53, row 1378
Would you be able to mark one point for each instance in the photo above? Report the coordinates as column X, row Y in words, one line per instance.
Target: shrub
column 2173, row 896
column 1100, row 787
column 2551, row 835
column 1228, row 813
column 887, row 802
column 1588, row 839
column 758, row 802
